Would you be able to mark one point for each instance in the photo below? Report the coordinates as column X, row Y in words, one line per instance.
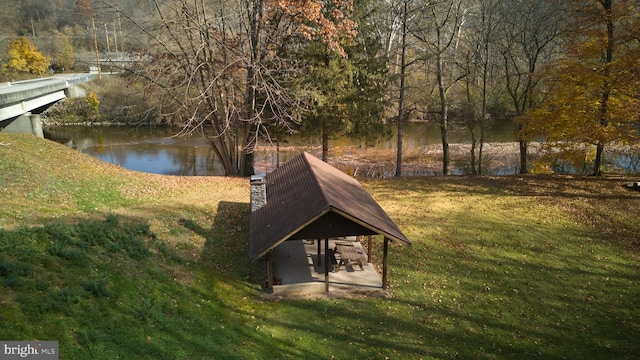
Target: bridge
column 22, row 102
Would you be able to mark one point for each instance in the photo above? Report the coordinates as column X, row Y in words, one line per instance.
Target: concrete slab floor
column 298, row 274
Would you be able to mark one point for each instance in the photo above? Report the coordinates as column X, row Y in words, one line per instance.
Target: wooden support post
column 369, row 244
column 326, row 264
column 270, row 268
column 384, row 262
column 319, row 252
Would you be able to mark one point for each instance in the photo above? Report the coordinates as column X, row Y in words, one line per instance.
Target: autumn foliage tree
column 24, row 57
column 83, row 9
column 327, row 21
column 64, row 58
column 592, row 95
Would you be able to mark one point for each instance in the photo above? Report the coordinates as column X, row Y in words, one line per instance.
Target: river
column 157, row 149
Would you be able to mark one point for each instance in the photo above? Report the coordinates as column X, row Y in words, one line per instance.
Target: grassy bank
column 117, row 264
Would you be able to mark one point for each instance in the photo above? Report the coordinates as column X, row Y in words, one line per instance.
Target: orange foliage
column 327, row 21
column 83, row 7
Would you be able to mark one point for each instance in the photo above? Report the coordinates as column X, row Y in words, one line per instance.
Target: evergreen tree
column 346, row 90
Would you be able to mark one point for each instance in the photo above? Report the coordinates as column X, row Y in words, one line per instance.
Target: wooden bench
column 334, row 262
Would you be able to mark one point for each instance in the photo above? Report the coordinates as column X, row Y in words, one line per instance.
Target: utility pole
column 106, row 34
column 115, row 40
column 120, row 28
column 95, row 44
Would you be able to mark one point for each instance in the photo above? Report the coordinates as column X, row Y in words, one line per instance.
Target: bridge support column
column 27, row 124
column 36, row 125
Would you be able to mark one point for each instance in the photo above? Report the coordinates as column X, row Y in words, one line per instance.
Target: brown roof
column 310, row 199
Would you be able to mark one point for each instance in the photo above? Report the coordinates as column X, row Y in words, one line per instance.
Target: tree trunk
column 248, row 164
column 443, row 113
column 473, row 153
column 483, row 112
column 471, row 123
column 597, row 162
column 325, row 144
column 523, row 157
column 400, row 138
column 403, row 65
column 481, row 146
column 254, row 15
column 606, row 91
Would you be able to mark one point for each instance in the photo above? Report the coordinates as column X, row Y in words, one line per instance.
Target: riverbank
column 151, row 145
column 498, row 159
column 159, row 150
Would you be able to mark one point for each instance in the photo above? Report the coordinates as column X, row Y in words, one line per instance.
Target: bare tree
column 479, row 63
column 528, row 37
column 390, row 24
column 222, row 68
column 437, row 30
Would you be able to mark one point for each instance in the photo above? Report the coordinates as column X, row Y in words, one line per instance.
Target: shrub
column 94, row 103
column 22, row 243
column 98, row 287
column 12, row 274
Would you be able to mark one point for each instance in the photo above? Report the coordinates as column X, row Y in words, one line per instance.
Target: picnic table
column 349, row 255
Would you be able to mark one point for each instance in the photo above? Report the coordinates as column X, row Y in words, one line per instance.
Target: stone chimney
column 258, row 192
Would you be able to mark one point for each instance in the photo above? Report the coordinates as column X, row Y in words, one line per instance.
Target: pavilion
column 308, row 199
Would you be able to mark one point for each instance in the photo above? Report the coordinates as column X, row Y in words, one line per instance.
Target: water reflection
column 152, row 150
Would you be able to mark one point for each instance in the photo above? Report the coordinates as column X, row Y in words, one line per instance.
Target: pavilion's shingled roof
column 310, row 199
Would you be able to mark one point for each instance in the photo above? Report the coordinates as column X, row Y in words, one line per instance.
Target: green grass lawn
column 115, row 264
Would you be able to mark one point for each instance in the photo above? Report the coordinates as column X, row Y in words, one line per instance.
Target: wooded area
column 243, row 71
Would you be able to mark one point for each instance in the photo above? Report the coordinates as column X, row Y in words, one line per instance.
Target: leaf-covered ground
column 500, row 267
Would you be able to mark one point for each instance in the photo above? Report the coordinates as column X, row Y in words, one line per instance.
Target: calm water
column 157, row 150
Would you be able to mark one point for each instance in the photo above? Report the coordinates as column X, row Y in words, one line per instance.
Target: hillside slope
column 117, row 264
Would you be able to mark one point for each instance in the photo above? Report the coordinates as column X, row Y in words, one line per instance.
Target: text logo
column 34, row 350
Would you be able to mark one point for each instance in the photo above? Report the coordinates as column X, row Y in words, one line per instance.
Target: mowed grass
column 117, row 264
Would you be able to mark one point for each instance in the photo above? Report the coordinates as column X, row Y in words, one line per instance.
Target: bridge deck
column 20, row 97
